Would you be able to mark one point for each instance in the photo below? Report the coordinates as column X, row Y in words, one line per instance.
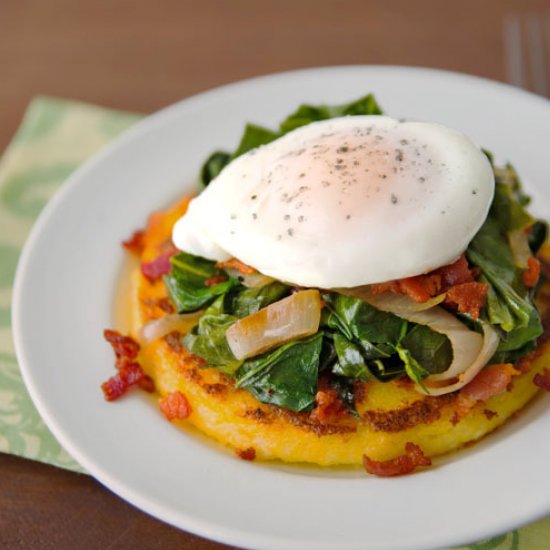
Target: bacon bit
column 127, row 376
column 456, row 273
column 165, row 304
column 246, row 454
column 468, row 297
column 524, row 363
column 214, row 280
column 329, row 407
column 175, row 406
column 233, row 263
column 489, row 414
column 531, row 275
column 401, row 465
column 489, row 382
column 125, row 347
column 146, row 383
column 136, row 243
column 158, row 267
column 542, row 380
column 421, row 287
column 129, row 372
column 381, row 288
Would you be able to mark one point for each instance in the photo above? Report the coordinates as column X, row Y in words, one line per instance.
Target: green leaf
column 253, row 137
column 351, row 362
column 251, row 300
column 497, row 310
column 415, row 371
column 430, row 349
column 387, row 369
column 511, row 215
column 375, row 331
column 305, row 114
column 538, row 235
column 186, row 282
column 286, row 377
column 509, row 302
column 490, row 252
column 213, row 165
column 207, row 340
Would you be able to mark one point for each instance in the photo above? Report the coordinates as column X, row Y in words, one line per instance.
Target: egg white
column 345, row 202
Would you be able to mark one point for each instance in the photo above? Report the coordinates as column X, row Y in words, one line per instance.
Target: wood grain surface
column 141, row 55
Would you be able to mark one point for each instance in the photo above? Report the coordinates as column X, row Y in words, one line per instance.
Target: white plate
column 63, row 299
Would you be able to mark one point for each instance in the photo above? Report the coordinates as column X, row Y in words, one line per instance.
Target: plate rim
column 144, row 126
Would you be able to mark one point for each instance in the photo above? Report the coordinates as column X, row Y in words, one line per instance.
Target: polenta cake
column 348, row 290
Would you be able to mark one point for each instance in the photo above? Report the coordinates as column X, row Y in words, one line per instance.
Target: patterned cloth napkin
column 54, row 138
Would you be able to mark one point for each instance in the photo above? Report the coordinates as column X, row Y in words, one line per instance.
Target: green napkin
column 55, row 137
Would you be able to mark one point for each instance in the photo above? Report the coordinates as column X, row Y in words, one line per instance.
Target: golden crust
column 391, row 414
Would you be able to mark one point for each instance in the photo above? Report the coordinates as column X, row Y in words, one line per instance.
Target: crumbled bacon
column 175, row 406
column 246, row 454
column 490, row 381
column 531, row 275
column 489, row 414
column 136, row 243
column 469, row 298
column 233, row 263
column 329, row 407
column 421, row 287
column 401, row 465
column 129, row 372
column 389, row 286
column 214, row 280
column 146, row 383
column 158, row 267
column 456, row 273
column 127, row 376
column 125, row 347
column 542, row 380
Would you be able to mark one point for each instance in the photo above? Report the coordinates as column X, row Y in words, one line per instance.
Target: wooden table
column 141, row 55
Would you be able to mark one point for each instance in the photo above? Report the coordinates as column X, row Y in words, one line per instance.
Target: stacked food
column 348, row 289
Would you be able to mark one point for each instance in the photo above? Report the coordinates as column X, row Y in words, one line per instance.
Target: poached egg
column 344, row 202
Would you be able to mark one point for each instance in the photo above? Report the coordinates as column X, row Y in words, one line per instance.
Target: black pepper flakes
column 393, row 199
column 290, row 231
column 399, row 155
